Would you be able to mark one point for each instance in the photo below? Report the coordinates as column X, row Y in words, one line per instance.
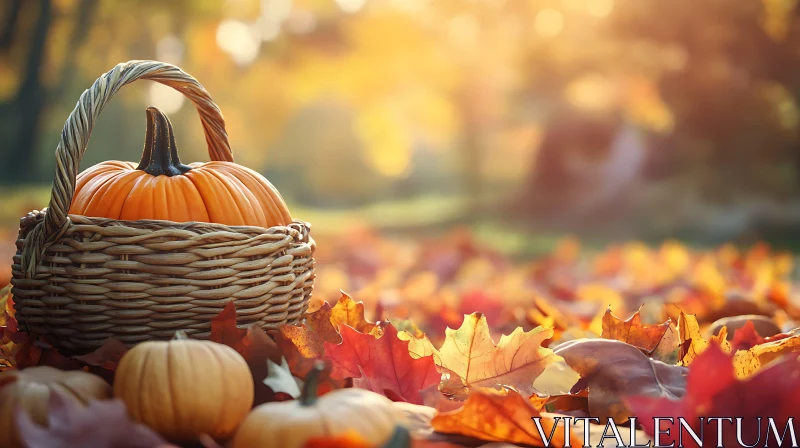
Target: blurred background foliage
column 604, row 118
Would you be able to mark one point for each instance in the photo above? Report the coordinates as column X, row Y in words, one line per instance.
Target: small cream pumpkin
column 290, row 424
column 184, row 388
column 31, row 389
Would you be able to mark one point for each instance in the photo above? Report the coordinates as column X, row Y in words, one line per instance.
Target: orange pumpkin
column 185, row 387
column 161, row 187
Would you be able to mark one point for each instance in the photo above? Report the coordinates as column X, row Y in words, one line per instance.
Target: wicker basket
column 80, row 280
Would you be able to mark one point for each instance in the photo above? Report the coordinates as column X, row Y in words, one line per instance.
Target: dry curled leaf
column 613, row 370
column 692, row 341
column 749, row 362
column 746, row 362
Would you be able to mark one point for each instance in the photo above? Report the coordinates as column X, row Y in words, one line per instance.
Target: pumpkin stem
column 309, row 395
column 180, row 335
column 160, row 155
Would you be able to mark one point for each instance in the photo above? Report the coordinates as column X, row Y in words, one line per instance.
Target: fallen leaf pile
column 477, row 348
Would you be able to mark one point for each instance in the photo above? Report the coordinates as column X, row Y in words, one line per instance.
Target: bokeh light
column 549, row 22
column 240, row 40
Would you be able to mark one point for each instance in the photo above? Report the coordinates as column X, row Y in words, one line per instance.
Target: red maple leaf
column 382, row 365
column 251, row 342
column 224, row 329
column 481, row 301
column 713, row 390
column 746, row 337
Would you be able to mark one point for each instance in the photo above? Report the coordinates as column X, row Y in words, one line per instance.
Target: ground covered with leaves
column 471, row 344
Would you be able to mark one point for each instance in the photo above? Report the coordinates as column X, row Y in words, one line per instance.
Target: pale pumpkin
column 184, row 388
column 290, row 424
column 161, row 187
column 31, row 389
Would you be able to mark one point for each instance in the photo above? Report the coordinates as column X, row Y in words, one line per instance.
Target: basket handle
column 78, row 128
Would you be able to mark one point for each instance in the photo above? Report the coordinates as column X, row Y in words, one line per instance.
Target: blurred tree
column 21, row 113
column 350, row 101
column 733, row 85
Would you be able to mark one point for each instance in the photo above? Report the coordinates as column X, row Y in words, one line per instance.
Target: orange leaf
column 500, row 418
column 382, row 365
column 633, row 332
column 321, row 322
column 516, row 361
column 349, row 312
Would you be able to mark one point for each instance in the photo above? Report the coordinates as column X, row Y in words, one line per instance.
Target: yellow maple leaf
column 351, row 313
column 692, row 341
column 516, row 361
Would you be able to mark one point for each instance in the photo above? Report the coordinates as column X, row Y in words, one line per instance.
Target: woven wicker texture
column 79, row 280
